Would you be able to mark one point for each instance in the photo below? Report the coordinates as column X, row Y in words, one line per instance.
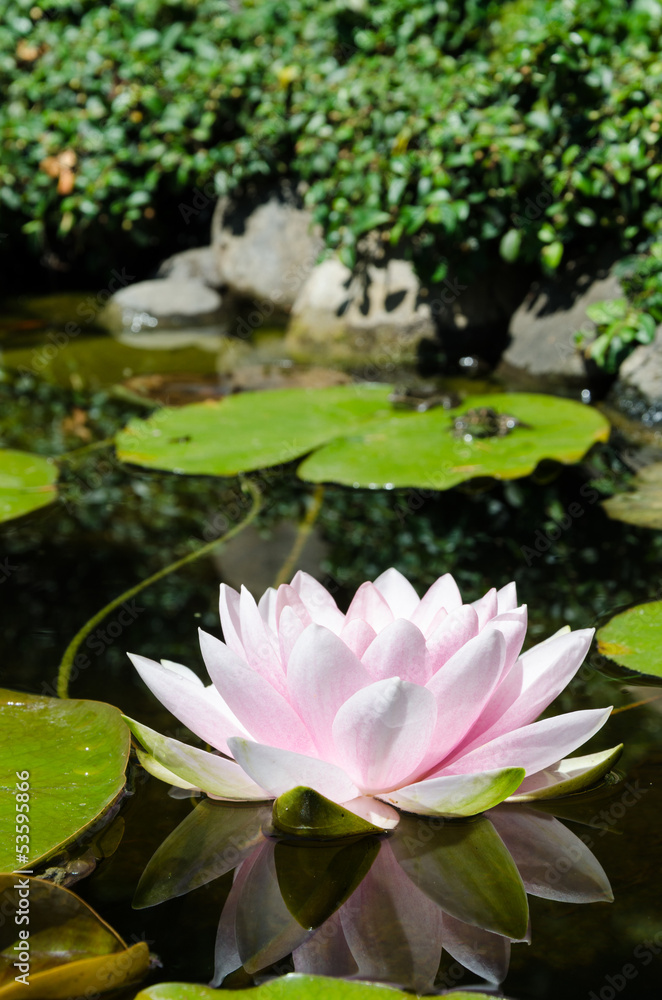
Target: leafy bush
column 626, row 322
column 466, row 129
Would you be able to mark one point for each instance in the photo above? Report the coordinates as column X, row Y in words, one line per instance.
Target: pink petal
column 267, row 716
column 226, row 959
column 280, row 771
column 507, row 598
column 531, row 685
column 290, row 627
column 357, row 635
column 326, row 953
column 393, row 930
column 369, row 605
column 398, row 651
column 461, row 688
column 484, row 953
column 512, row 625
column 260, row 644
column 382, row 732
column 267, row 608
column 554, row 863
column 400, row 596
column 486, row 607
column 322, row 674
column 319, row 603
column 532, row 747
column 287, row 597
column 230, row 621
column 456, row 794
column 443, row 593
column 200, row 708
column 457, row 628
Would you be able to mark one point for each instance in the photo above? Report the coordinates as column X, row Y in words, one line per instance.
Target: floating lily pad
column 75, row 753
column 248, row 431
column 27, row 482
column 643, row 504
column 303, row 812
column 633, row 639
column 422, row 450
column 293, row 987
column 72, row 951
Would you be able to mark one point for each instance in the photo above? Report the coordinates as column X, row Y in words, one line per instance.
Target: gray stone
column 543, row 329
column 265, row 246
column 164, row 303
column 374, row 316
column 199, row 264
column 638, row 391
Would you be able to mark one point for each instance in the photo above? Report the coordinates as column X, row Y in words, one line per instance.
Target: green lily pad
column 303, row 812
column 633, row 639
column 315, row 880
column 75, row 755
column 248, row 430
column 465, row 868
column 643, row 504
column 27, row 482
column 421, row 449
column 293, row 987
column 72, row 951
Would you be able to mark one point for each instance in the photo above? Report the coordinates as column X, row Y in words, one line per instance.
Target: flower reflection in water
column 376, row 908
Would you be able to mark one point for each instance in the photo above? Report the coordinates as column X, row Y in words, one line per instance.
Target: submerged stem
column 64, row 671
column 303, row 531
column 75, row 453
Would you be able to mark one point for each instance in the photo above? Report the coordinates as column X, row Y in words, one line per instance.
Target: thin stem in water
column 64, row 672
column 304, row 530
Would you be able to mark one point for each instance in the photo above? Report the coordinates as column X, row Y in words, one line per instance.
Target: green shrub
column 461, row 130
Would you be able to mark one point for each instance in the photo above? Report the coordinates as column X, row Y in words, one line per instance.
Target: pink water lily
column 423, row 704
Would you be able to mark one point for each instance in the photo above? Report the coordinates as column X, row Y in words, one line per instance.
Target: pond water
column 114, row 525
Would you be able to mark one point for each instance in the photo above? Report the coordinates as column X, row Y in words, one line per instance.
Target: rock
column 377, row 316
column 164, row 303
column 199, row 264
column 542, row 330
column 638, row 390
column 266, row 245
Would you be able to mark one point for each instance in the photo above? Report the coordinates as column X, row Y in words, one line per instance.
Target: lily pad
column 74, row 754
column 422, row 450
column 303, row 812
column 249, row 430
column 72, row 951
column 293, row 987
column 643, row 504
column 633, row 639
column 27, row 482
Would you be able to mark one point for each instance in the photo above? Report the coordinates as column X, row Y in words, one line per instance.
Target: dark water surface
column 115, row 525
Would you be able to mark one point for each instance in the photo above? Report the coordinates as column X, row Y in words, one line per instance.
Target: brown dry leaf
column 26, row 51
column 65, row 184
column 76, row 424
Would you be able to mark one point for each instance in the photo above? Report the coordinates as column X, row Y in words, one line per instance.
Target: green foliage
column 623, row 323
column 519, row 128
column 26, row 483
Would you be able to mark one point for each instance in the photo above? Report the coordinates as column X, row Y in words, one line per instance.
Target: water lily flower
column 425, row 705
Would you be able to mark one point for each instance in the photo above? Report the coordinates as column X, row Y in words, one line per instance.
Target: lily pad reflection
column 380, row 908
